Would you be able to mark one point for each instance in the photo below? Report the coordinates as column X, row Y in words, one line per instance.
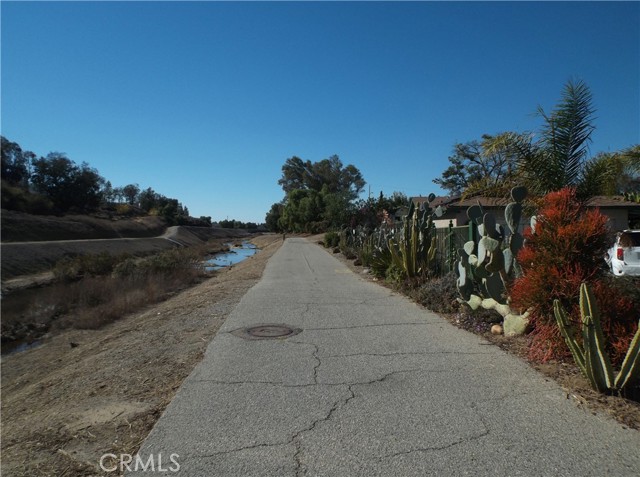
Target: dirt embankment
column 21, row 227
column 85, row 393
column 33, row 244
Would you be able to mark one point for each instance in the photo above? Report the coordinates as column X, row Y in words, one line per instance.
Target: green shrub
column 94, row 265
column 126, row 268
column 380, row 261
column 331, row 239
column 394, row 274
column 365, row 254
column 171, row 260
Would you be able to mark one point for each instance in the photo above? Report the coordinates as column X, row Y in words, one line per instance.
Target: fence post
column 451, row 247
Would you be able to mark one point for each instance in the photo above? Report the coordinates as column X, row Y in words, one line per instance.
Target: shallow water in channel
column 235, row 255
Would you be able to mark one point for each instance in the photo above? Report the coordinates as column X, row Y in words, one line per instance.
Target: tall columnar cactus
column 488, row 265
column 590, row 355
column 413, row 250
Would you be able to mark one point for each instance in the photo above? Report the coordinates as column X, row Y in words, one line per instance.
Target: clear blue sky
column 205, row 101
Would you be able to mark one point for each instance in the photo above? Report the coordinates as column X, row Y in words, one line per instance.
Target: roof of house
column 440, row 200
column 488, row 202
column 613, row 201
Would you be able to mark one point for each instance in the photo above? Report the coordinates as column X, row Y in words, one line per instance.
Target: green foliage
column 73, row 268
column 394, row 274
column 56, row 184
column 554, row 157
column 17, row 198
column 381, row 261
column 410, row 248
column 612, row 173
column 365, row 252
column 272, row 218
column 302, row 208
column 329, row 173
column 590, row 355
column 65, row 183
column 132, row 195
column 558, row 158
column 236, row 224
column 348, row 244
column 154, row 203
column 318, row 195
column 478, row 167
column 167, row 262
column 632, row 197
column 331, row 239
column 124, row 265
column 414, row 250
column 15, row 164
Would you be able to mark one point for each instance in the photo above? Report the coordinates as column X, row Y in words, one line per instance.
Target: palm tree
column 612, row 173
column 558, row 157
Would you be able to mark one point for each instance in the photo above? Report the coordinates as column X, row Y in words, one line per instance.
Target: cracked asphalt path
column 374, row 385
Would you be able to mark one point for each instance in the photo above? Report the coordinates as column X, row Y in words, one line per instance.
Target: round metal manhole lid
column 265, row 332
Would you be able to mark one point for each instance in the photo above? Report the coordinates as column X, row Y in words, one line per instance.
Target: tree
column 558, row 158
column 476, row 166
column 108, row 193
column 15, row 163
column 65, row 183
column 272, row 218
column 329, row 173
column 130, row 193
column 303, row 211
column 612, row 173
column 317, row 194
column 337, row 209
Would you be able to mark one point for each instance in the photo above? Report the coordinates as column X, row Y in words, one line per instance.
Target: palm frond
column 567, row 133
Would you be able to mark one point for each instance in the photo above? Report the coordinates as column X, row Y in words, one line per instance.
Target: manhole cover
column 265, row 332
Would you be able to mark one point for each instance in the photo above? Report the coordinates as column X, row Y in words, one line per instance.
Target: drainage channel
column 233, row 256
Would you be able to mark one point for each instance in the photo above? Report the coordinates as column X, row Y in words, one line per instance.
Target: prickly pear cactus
column 486, row 267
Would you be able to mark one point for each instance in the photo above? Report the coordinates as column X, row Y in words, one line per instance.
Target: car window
column 629, row 239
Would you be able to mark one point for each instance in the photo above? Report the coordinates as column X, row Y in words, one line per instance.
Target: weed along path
column 319, row 372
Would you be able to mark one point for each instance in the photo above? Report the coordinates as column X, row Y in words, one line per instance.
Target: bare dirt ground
column 566, row 374
column 85, row 393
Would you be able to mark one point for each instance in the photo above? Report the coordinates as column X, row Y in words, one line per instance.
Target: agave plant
column 410, row 248
column 590, row 354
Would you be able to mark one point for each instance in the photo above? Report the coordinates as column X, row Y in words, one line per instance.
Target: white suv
column 624, row 256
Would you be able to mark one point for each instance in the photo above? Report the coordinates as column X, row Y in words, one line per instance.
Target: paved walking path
column 373, row 385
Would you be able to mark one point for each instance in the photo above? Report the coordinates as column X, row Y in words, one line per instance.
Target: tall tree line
column 55, row 184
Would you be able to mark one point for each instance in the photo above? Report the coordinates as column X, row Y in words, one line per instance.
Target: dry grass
column 93, row 291
column 63, row 406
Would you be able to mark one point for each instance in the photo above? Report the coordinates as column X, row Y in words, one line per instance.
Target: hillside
column 32, row 244
column 22, row 227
